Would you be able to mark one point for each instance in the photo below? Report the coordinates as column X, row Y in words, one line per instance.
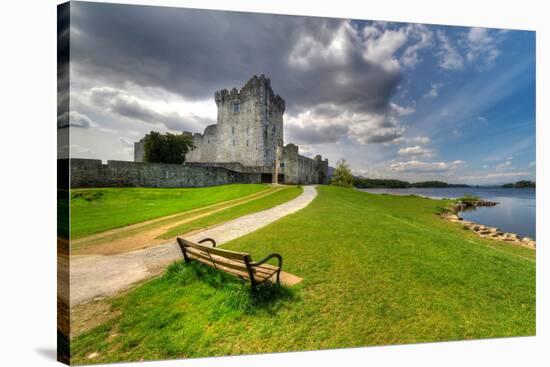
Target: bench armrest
column 277, row 256
column 210, row 240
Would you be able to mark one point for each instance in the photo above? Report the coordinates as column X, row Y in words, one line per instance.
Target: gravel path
column 94, row 276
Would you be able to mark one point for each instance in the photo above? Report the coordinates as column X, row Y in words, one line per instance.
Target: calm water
column 515, row 212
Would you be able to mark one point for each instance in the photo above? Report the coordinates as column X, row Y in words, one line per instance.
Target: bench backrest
column 231, row 261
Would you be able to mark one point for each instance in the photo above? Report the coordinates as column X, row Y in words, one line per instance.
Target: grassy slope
column 116, row 207
column 377, row 270
column 269, row 201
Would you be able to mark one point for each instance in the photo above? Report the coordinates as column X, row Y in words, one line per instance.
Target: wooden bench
column 239, row 264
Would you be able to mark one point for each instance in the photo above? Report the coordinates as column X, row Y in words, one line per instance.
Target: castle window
column 282, row 165
column 247, row 143
column 233, row 131
column 236, row 107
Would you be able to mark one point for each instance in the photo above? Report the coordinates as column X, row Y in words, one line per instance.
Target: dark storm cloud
column 316, row 134
column 192, row 53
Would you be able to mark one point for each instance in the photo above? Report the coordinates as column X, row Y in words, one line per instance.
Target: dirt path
column 143, row 234
column 94, row 276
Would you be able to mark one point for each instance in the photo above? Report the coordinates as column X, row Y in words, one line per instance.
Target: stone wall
column 298, row 169
column 92, row 173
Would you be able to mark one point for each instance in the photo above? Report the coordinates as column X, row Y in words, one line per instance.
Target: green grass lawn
column 267, row 202
column 97, row 210
column 377, row 270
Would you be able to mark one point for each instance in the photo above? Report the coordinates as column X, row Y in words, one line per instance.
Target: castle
column 248, row 137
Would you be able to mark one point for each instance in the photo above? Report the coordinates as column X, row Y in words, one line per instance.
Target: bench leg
column 182, row 248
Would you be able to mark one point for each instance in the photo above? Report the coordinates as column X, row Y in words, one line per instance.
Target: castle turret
column 250, row 123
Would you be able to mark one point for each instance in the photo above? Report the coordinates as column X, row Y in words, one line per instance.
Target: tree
column 342, row 175
column 166, row 148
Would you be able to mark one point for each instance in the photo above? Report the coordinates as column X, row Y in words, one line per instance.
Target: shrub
column 342, row 175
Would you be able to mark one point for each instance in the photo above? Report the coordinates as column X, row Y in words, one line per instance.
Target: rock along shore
column 490, row 232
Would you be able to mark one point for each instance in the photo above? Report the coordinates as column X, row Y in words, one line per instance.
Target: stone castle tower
column 249, row 128
column 248, row 137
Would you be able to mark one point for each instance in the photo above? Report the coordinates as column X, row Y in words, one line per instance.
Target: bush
column 342, row 175
column 167, row 148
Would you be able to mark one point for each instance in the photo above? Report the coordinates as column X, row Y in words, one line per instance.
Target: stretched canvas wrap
column 237, row 183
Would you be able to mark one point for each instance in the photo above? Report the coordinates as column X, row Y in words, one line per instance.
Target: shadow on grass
column 238, row 294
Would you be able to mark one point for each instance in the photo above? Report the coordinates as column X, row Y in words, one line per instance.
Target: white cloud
column 381, row 45
column 503, row 165
column 422, row 38
column 420, row 166
column 76, row 119
column 416, row 150
column 400, row 110
column 420, row 139
column 481, row 46
column 481, row 118
column 434, row 90
column 449, row 57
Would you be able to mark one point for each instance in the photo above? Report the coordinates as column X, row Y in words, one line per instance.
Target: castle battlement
column 254, row 87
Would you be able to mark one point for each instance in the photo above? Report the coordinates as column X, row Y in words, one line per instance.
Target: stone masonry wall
column 299, row 169
column 92, row 173
column 249, row 126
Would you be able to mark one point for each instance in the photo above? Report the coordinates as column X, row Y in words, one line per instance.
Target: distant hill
column 373, row 183
column 520, row 185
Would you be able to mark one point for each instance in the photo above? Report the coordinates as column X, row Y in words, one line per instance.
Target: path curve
column 94, row 276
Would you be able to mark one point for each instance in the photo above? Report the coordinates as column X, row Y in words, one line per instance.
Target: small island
column 520, row 185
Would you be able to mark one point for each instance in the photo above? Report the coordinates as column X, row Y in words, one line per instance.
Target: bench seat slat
column 259, row 277
column 259, row 271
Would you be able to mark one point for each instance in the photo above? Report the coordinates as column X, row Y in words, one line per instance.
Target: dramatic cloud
column 124, row 105
column 312, row 62
column 382, row 44
column 370, row 92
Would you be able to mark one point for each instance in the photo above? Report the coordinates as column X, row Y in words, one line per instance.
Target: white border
column 28, row 152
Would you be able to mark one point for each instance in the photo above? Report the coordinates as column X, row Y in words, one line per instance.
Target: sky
column 395, row 100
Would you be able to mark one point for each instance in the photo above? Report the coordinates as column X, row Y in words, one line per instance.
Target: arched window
column 236, row 107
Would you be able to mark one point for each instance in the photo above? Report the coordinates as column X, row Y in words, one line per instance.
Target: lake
column 515, row 212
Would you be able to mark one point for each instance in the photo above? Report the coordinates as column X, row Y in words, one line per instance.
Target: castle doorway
column 267, row 178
